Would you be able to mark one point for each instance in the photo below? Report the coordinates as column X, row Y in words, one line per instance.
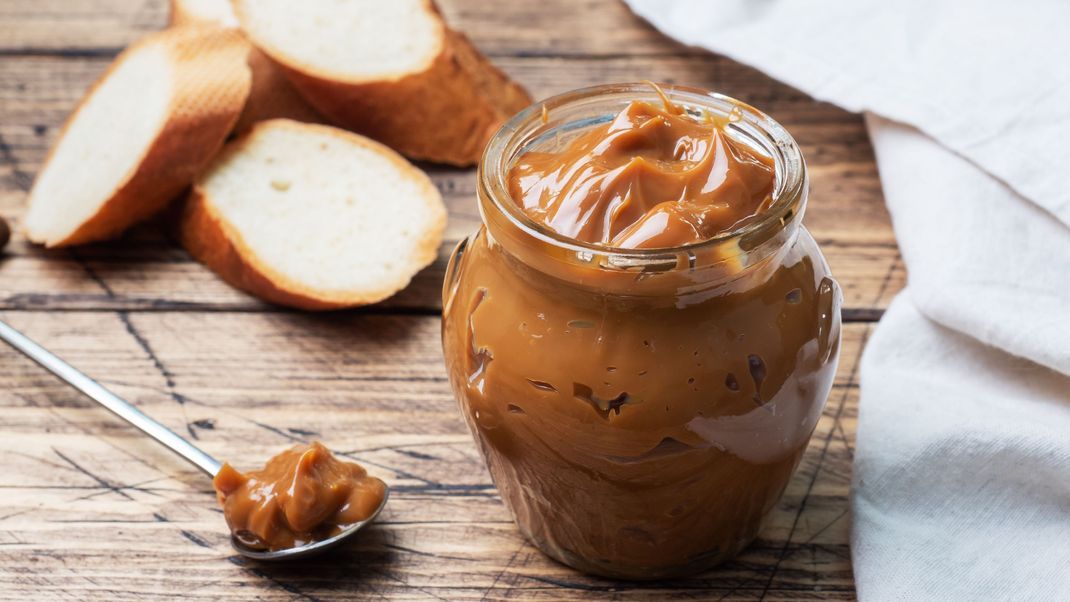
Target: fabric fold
column 980, row 259
column 960, row 488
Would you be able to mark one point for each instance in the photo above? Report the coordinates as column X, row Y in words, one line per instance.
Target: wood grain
column 89, row 494
column 92, row 510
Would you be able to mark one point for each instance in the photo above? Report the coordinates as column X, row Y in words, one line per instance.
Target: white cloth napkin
column 962, row 465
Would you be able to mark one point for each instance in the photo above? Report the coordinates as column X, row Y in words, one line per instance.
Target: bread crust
column 212, row 83
column 181, row 15
column 210, row 239
column 272, row 95
column 445, row 113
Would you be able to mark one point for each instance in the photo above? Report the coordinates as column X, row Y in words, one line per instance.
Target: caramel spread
column 634, row 438
column 651, row 177
column 301, row 496
column 640, row 423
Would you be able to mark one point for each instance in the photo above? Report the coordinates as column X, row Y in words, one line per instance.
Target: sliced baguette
column 313, row 217
column 391, row 70
column 141, row 134
column 272, row 95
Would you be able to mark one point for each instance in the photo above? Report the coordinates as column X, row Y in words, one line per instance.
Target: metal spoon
column 159, row 432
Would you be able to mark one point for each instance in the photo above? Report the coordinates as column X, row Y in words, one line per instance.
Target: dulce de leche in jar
column 642, row 334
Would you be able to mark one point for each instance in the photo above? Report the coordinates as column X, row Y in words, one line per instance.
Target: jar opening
column 566, row 115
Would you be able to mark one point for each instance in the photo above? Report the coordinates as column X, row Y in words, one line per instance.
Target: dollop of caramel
column 653, row 177
column 302, row 495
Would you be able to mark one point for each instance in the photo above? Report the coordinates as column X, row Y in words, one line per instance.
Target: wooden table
column 92, row 509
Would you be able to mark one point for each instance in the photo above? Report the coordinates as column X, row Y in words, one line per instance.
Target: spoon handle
column 106, row 398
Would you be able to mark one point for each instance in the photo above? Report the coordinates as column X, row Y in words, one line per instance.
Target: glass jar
column 640, row 411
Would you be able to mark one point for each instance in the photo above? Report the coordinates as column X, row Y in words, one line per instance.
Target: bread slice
column 313, row 217
column 272, row 95
column 140, row 135
column 391, row 70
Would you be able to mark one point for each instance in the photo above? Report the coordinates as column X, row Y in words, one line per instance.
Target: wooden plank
column 147, row 271
column 94, row 510
column 520, row 28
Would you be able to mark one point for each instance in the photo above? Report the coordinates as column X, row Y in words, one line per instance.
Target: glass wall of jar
column 640, row 411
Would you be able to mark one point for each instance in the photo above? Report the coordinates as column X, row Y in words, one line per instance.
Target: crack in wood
column 23, row 180
column 103, row 482
column 463, row 440
column 54, row 412
column 63, row 53
column 196, row 539
column 139, row 487
column 168, row 376
column 504, row 569
column 427, row 554
column 274, row 429
column 818, row 533
column 887, row 278
column 415, row 454
column 846, row 441
column 563, row 584
column 89, row 271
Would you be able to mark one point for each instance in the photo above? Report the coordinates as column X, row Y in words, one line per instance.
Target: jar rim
column 509, row 142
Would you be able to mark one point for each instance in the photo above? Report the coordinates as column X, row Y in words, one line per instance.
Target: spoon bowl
column 309, row 549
